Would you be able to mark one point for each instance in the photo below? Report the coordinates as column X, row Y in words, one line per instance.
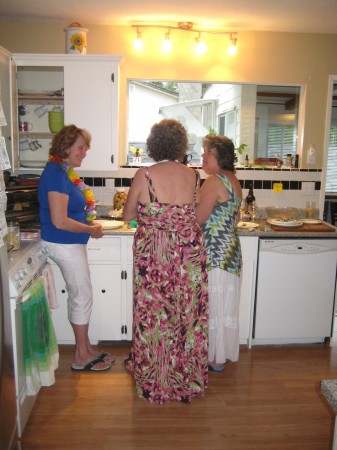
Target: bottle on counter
column 119, row 199
column 247, row 161
column 250, row 197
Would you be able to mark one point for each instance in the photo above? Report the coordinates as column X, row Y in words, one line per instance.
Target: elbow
column 58, row 223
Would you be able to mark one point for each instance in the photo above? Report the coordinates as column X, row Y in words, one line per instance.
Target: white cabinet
column 110, row 261
column 90, row 86
column 249, row 247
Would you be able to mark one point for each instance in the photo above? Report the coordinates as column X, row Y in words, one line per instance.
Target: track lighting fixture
column 201, row 47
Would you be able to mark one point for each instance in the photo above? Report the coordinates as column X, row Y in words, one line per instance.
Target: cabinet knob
column 63, row 291
column 103, row 291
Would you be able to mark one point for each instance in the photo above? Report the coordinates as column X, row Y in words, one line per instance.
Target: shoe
column 91, row 366
column 216, row 368
column 106, row 357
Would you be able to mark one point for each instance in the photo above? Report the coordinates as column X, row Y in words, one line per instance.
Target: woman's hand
column 96, row 230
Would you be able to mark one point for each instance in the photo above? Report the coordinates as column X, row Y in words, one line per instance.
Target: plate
column 25, row 92
column 281, row 223
column 33, row 164
column 248, row 225
column 311, row 221
column 110, row 224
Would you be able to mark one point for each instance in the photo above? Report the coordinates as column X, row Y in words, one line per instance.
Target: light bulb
column 232, row 47
column 138, row 43
column 167, row 43
column 201, row 47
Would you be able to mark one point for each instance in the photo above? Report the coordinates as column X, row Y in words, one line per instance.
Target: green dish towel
column 40, row 347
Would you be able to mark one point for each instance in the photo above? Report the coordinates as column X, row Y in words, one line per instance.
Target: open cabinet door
column 9, row 105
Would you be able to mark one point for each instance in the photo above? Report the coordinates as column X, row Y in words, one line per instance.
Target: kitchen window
column 281, row 140
column 331, row 173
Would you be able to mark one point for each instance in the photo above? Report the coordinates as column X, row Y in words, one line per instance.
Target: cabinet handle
column 113, row 77
column 112, row 159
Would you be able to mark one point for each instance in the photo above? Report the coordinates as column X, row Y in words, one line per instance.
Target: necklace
column 79, row 184
column 167, row 160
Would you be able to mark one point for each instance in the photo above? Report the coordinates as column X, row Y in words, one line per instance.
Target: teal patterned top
column 220, row 232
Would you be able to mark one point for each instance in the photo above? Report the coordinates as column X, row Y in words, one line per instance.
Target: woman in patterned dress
column 218, row 213
column 168, row 356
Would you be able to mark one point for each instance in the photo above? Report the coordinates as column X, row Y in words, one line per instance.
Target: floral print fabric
column 169, row 354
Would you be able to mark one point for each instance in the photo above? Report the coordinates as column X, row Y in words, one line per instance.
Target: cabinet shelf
column 35, row 135
column 41, row 99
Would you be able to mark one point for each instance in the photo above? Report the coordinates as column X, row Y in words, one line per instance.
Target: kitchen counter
column 286, row 233
column 329, row 391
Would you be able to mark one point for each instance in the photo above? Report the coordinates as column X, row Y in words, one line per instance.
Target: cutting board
column 312, row 228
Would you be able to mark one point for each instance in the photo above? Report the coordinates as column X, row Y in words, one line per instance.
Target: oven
column 22, row 202
column 25, row 266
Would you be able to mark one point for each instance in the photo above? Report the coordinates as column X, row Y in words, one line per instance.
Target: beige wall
column 272, row 58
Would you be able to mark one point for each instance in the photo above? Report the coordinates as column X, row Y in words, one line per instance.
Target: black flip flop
column 90, row 366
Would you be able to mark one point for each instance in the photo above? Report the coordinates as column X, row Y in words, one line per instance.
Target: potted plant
column 239, row 150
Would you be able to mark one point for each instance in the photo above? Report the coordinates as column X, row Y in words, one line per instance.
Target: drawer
column 105, row 250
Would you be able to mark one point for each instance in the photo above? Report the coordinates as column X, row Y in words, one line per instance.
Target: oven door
column 23, row 206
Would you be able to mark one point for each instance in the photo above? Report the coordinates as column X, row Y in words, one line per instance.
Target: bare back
column 173, row 182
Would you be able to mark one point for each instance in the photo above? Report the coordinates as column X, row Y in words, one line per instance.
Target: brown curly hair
column 224, row 148
column 65, row 138
column 167, row 140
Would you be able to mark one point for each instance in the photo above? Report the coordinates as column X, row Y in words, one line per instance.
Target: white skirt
column 224, row 291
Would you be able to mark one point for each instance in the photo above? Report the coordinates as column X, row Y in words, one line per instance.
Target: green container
column 55, row 121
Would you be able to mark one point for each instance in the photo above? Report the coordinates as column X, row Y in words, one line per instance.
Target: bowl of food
column 281, row 212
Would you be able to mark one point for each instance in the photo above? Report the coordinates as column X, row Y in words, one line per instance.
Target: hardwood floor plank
column 269, row 400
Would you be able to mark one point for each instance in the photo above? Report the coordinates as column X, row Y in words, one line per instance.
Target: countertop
column 287, row 233
column 329, row 390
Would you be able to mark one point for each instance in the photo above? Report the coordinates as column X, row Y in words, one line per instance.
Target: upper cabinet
column 82, row 90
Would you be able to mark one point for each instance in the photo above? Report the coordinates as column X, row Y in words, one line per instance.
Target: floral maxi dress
column 169, row 355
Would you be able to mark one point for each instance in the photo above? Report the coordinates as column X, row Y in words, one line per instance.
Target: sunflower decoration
column 136, row 151
column 78, row 42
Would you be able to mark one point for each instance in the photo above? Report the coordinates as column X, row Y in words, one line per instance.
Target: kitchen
column 254, row 62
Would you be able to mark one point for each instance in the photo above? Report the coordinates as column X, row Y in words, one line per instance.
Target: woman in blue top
column 218, row 213
column 67, row 214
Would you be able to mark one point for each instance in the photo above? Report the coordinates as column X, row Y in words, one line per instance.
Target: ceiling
column 300, row 16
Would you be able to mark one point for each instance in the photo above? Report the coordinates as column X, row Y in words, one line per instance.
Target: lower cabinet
column 111, row 268
column 110, row 261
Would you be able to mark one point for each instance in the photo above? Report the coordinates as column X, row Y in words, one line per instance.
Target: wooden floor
column 268, row 400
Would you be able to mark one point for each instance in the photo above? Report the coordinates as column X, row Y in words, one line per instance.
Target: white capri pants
column 72, row 260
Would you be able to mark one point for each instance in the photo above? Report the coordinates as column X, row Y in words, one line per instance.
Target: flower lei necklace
column 81, row 186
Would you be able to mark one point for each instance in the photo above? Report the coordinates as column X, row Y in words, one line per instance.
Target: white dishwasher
column 295, row 291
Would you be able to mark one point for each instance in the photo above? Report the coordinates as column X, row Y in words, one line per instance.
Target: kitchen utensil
column 40, row 111
column 55, row 121
column 110, row 224
column 286, row 224
column 310, row 209
column 252, row 209
column 25, row 126
column 311, row 221
column 281, row 212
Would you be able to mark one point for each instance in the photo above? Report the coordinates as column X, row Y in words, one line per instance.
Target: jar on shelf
column 13, row 236
column 119, row 199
